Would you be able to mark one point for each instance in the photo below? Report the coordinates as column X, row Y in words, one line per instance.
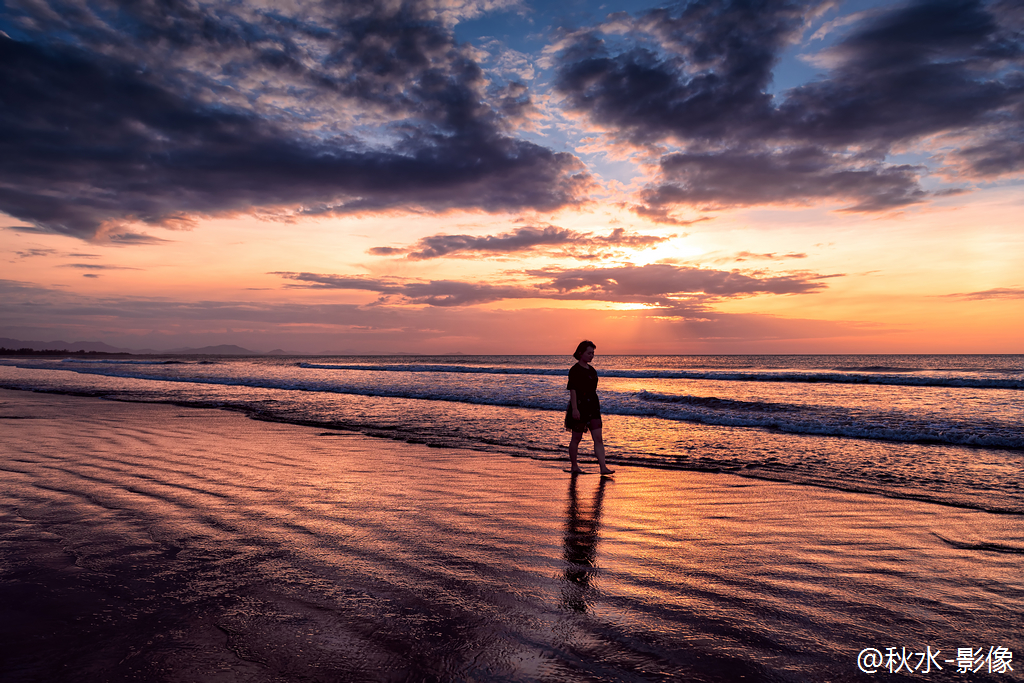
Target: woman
column 584, row 410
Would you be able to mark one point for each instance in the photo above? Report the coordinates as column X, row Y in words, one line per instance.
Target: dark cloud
column 133, row 238
column 453, row 293
column 658, row 280
column 928, row 67
column 386, row 251
column 698, row 76
column 620, row 238
column 998, row 154
column 698, row 71
column 95, row 266
column 443, row 293
column 521, row 240
column 35, row 252
column 663, row 215
column 997, row 293
column 22, row 303
column 161, row 113
column 676, row 287
column 10, row 288
column 745, row 178
column 327, row 281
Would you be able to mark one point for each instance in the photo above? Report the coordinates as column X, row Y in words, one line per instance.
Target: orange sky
column 931, row 280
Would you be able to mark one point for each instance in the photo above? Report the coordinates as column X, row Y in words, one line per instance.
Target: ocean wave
column 471, row 369
column 832, row 377
column 822, row 421
column 982, row 545
column 903, row 368
column 720, row 403
column 876, row 368
column 790, row 418
column 110, row 361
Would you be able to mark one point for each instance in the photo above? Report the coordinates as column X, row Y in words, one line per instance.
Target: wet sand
column 158, row 543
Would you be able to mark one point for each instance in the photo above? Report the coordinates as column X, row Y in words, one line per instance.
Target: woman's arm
column 572, row 402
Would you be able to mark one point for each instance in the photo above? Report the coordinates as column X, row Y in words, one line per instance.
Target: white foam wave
column 791, row 418
column 111, row 361
column 953, row 381
column 822, row 421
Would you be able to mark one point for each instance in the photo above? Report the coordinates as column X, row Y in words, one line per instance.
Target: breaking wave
column 863, row 375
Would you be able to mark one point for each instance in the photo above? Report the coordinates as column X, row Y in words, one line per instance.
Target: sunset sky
column 502, row 176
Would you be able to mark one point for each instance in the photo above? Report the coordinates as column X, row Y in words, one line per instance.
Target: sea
column 947, row 429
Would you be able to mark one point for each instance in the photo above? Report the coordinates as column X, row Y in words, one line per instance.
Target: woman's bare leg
column 574, row 449
column 599, row 450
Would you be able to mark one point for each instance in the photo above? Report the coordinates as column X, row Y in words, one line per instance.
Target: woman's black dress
column 584, row 382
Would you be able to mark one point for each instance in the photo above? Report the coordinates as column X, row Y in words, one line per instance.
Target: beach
column 164, row 543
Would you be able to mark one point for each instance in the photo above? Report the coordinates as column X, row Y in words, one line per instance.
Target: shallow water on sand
column 948, row 429
column 146, row 542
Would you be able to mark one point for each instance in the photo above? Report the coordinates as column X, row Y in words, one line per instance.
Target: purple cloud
column 519, row 240
column 996, row 293
column 159, row 115
column 698, row 76
column 659, row 284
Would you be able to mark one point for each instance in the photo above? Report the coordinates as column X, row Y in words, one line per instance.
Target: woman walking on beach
column 584, row 410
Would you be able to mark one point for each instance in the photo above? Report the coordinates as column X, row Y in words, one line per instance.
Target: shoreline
column 586, row 456
column 180, row 544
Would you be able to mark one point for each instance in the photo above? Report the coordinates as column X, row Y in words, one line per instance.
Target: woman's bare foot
column 577, row 470
column 607, row 471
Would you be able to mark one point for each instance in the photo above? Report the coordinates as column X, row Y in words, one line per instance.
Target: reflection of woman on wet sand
column 580, row 552
column 584, row 410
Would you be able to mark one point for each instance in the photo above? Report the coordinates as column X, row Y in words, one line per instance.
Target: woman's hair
column 584, row 345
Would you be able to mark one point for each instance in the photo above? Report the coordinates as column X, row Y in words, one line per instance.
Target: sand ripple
column 161, row 543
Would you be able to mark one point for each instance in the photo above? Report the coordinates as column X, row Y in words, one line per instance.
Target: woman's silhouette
column 584, row 410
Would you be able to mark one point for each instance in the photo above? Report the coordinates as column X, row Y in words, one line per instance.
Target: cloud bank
column 346, row 328
column 120, row 114
column 162, row 114
column 520, row 240
column 944, row 77
column 686, row 290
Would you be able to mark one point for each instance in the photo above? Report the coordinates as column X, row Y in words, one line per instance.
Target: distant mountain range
column 101, row 347
column 218, row 350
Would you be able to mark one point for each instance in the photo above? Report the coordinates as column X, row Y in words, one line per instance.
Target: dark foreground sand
column 157, row 543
